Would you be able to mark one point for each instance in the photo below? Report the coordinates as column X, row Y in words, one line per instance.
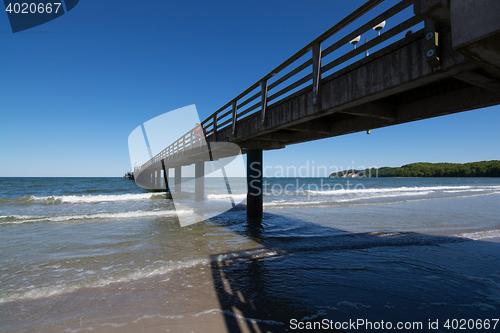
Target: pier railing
column 191, row 139
column 245, row 104
column 292, row 75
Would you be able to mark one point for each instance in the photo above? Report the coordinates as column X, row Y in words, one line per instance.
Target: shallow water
column 100, row 253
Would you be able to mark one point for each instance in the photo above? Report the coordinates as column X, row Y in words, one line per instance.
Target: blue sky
column 73, row 89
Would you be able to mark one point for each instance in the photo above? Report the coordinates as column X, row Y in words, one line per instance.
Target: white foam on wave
column 226, row 196
column 70, row 330
column 238, row 316
column 477, row 305
column 481, row 234
column 314, row 316
column 56, row 290
column 16, row 217
column 19, row 219
column 325, row 200
column 254, row 254
column 156, row 316
column 320, row 197
column 405, row 189
column 461, row 191
column 95, row 198
column 113, row 324
column 354, row 306
column 291, row 203
column 384, row 195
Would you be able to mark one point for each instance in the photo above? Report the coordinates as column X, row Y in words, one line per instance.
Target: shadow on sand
column 318, row 278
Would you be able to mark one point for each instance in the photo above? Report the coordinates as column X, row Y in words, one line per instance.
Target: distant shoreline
column 423, row 169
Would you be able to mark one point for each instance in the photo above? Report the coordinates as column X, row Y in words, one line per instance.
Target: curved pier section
column 186, row 165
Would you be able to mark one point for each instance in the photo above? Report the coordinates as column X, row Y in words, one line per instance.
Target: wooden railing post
column 214, row 131
column 234, row 116
column 317, row 75
column 263, row 87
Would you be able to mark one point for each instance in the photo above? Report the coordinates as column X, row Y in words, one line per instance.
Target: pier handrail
column 220, row 119
column 180, row 145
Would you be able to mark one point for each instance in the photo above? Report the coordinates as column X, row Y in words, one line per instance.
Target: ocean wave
column 239, row 197
column 325, row 200
column 85, row 199
column 405, row 190
column 155, row 269
column 481, row 234
column 56, row 290
column 238, row 316
column 76, row 199
column 476, row 305
column 354, row 306
column 19, row 219
column 98, row 198
column 284, row 202
column 19, row 200
column 312, row 197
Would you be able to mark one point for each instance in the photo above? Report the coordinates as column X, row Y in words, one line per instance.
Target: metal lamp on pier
column 379, row 27
column 355, row 41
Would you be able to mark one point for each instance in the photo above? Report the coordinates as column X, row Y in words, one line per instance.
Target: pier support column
column 199, row 183
column 165, row 178
column 254, row 183
column 165, row 175
column 177, row 180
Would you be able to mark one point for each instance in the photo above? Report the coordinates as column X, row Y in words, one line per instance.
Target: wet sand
column 167, row 302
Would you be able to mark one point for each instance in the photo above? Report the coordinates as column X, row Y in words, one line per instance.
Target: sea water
column 326, row 248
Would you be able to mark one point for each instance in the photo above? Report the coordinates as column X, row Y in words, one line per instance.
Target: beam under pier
column 254, row 183
column 199, row 183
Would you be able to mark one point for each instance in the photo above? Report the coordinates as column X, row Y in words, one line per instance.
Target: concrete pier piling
column 254, row 183
column 177, row 179
column 199, row 183
column 165, row 175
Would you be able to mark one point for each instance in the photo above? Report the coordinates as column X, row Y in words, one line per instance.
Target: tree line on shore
column 422, row 169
